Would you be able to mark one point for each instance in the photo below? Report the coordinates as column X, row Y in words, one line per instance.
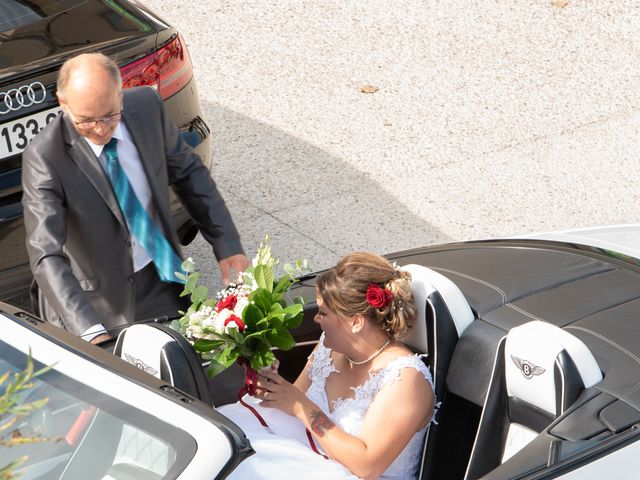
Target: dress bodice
column 349, row 413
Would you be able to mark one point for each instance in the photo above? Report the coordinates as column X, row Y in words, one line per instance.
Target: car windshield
column 18, row 13
column 85, row 433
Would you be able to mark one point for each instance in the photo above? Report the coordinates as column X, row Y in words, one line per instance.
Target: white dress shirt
column 132, row 165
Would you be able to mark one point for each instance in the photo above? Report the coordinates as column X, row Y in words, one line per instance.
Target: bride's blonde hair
column 343, row 289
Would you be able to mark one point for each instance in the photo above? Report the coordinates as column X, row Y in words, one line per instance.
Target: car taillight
column 168, row 69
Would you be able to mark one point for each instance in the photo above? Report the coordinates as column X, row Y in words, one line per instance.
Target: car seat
column 166, row 354
column 539, row 371
column 443, row 314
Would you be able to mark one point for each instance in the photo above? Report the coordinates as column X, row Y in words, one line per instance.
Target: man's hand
column 237, row 263
column 102, row 338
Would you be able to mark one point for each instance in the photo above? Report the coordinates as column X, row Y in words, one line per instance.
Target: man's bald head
column 87, row 68
column 90, row 93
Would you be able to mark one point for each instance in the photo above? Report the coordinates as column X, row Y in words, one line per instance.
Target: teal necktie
column 142, row 227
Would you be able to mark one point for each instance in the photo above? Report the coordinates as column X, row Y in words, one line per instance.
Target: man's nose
column 101, row 127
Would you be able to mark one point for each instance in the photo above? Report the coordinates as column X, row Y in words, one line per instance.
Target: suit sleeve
column 197, row 191
column 46, row 232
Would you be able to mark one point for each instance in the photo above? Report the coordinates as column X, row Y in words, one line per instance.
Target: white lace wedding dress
column 284, row 452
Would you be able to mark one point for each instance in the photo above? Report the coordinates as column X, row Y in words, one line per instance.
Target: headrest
column 424, row 282
column 532, row 351
column 141, row 346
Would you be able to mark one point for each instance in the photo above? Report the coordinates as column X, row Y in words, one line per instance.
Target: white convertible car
column 534, row 344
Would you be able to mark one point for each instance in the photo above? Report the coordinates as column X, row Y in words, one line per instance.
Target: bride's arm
column 397, row 413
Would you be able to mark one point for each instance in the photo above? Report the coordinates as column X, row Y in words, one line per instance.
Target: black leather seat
column 166, row 354
column 442, row 316
column 539, row 372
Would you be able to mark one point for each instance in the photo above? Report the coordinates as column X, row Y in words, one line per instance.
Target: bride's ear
column 357, row 323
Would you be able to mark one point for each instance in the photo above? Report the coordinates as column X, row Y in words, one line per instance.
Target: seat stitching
column 524, row 312
column 470, row 277
column 614, row 344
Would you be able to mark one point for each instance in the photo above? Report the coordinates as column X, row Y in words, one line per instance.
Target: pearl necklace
column 367, row 360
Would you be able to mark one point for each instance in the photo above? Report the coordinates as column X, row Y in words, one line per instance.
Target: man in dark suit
column 96, row 204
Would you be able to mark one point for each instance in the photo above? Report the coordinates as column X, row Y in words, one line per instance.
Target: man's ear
column 357, row 323
column 61, row 101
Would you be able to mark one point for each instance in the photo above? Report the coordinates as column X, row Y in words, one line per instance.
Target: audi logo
column 24, row 96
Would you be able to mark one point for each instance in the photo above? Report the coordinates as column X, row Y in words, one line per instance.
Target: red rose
column 237, row 320
column 227, row 302
column 378, row 297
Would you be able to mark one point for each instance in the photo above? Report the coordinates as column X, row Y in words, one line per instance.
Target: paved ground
column 489, row 118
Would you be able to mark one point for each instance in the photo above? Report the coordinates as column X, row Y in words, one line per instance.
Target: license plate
column 16, row 135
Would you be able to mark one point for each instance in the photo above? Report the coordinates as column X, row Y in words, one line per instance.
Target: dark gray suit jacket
column 77, row 239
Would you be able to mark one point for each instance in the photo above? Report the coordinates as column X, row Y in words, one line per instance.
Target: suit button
column 131, row 279
column 127, row 242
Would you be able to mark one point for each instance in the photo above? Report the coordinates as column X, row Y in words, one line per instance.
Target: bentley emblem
column 527, row 368
column 24, row 96
column 140, row 364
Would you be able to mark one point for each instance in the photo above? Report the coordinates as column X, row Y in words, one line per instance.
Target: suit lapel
column 84, row 158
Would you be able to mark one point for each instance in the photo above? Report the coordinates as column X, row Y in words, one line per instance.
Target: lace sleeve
column 322, row 363
column 391, row 374
column 321, row 367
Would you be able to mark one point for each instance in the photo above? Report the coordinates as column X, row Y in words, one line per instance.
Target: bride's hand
column 276, row 392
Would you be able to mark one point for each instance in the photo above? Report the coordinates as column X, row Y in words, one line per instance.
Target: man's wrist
column 102, row 338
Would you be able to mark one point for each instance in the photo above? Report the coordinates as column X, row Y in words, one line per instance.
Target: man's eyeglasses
column 106, row 121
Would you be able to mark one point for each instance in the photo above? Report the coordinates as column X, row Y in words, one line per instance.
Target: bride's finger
column 270, row 377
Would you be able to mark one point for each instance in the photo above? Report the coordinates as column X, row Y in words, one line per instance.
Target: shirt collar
column 118, row 134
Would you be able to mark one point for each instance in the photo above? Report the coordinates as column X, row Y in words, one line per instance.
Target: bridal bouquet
column 244, row 321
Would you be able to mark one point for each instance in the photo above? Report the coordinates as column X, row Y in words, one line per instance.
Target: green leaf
column 262, row 325
column 264, row 277
column 237, row 336
column 294, row 315
column 255, row 336
column 275, row 320
column 295, row 321
column 276, row 308
column 293, row 309
column 251, row 316
column 199, row 294
column 215, row 367
column 202, row 345
column 262, row 357
column 230, row 352
column 7, row 472
column 283, row 285
column 299, row 300
column 281, row 338
column 192, row 281
column 262, row 299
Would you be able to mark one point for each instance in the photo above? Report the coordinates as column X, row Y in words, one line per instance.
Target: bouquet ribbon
column 250, row 387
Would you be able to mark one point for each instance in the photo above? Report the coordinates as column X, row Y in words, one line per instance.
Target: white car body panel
column 618, row 238
column 621, row 465
column 213, row 451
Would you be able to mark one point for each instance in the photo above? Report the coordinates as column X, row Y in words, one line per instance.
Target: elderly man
column 96, row 204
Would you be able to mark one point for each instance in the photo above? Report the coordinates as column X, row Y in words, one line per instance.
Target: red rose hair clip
column 378, row 297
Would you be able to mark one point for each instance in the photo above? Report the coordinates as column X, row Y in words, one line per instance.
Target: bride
column 361, row 406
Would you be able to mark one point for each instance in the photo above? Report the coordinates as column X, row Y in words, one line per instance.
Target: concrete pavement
column 490, row 118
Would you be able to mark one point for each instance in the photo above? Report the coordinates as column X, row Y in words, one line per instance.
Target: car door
column 103, row 419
